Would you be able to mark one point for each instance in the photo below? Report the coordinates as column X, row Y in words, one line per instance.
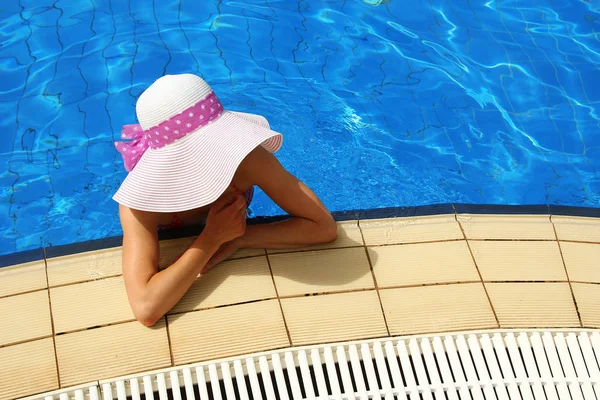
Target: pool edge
column 340, row 216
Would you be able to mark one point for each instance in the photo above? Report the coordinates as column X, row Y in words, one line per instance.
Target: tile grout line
column 510, row 240
column 26, row 292
column 169, row 340
column 477, row 268
column 328, row 293
column 418, row 285
column 567, row 273
column 91, row 328
column 287, row 329
column 577, row 241
column 52, row 321
column 295, row 296
column 308, row 250
column 387, row 328
column 18, row 342
column 585, row 282
column 409, row 243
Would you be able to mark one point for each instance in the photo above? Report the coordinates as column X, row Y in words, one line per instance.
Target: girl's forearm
column 291, row 233
column 168, row 286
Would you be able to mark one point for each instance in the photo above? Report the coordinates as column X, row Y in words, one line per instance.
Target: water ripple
column 382, row 105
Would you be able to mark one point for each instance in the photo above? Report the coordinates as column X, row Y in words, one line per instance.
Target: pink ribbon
column 190, row 120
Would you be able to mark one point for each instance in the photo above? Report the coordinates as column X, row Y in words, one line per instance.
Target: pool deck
column 67, row 320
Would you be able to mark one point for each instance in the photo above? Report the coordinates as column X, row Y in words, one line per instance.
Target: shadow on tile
column 247, row 280
column 325, row 271
column 231, row 282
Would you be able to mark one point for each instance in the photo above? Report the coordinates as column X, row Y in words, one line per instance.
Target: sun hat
column 186, row 148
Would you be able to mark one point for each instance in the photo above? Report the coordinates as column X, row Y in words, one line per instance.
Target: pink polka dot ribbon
column 200, row 114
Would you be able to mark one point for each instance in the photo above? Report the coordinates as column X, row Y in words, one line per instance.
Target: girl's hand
column 226, row 220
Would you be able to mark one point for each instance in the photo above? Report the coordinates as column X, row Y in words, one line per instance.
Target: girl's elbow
column 329, row 231
column 145, row 313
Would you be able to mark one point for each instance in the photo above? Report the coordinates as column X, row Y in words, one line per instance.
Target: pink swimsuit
column 176, row 222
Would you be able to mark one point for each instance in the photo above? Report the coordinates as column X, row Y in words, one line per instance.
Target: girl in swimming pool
column 190, row 160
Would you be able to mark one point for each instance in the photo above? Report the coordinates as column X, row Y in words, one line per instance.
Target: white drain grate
column 505, row 365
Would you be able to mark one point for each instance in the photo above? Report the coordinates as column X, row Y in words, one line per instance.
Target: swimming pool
column 381, row 106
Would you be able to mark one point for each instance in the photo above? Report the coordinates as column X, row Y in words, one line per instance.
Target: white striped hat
column 186, row 149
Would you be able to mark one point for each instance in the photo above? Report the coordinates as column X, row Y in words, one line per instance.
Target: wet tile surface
column 321, row 271
column 410, row 230
column 440, row 308
column 84, row 267
column 533, row 305
column 518, row 261
column 425, row 263
column 509, row 227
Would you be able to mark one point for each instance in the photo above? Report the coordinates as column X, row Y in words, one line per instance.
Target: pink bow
column 133, row 150
column 189, row 120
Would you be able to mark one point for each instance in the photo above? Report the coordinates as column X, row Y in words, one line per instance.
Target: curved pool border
column 340, row 216
column 392, row 272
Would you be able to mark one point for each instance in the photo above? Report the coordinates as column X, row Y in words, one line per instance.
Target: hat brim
column 195, row 170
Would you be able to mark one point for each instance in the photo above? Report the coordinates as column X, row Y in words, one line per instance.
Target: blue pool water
column 402, row 104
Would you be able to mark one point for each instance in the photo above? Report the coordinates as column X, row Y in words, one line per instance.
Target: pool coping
column 419, row 274
column 42, row 253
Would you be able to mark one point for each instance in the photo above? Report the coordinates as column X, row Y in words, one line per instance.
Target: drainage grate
column 475, row 366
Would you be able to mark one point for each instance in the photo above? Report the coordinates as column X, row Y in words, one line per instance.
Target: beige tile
column 424, row 263
column 90, row 304
column 348, row 236
column 428, row 309
column 171, row 250
column 410, row 230
column 22, row 278
column 582, row 261
column 321, row 271
column 84, row 266
column 523, row 227
column 533, row 305
column 27, row 369
column 231, row 282
column 587, row 297
column 25, row 317
column 334, row 317
column 580, row 229
column 227, row 331
column 518, row 261
column 111, row 351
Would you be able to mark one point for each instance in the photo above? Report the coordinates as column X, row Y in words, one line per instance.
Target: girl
column 189, row 160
